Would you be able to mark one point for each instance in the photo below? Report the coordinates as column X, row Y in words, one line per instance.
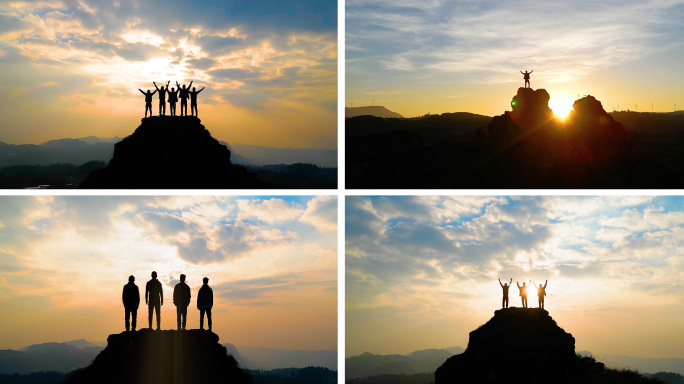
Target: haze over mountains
column 70, row 355
column 84, row 149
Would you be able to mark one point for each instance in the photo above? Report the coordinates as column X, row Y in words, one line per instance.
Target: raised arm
column 190, row 85
column 201, row 90
column 511, row 282
column 522, row 72
column 167, row 84
column 155, row 91
column 535, row 284
column 532, row 71
column 500, row 283
column 545, row 284
column 141, row 91
column 518, row 284
column 178, row 85
column 155, row 85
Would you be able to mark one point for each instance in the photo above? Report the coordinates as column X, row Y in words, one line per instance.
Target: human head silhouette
column 193, row 88
column 206, row 280
column 154, row 274
column 162, row 88
column 182, row 278
column 524, row 284
column 148, row 91
column 183, row 86
column 131, row 278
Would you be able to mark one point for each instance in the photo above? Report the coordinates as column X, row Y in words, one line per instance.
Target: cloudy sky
column 71, row 68
column 417, row 57
column 421, row 272
column 271, row 261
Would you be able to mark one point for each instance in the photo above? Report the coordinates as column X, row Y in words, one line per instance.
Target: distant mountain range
column 368, row 364
column 68, row 356
column 85, row 149
column 271, row 358
column 375, row 110
column 428, row 360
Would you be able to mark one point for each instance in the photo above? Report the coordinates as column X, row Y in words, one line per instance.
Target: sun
column 561, row 103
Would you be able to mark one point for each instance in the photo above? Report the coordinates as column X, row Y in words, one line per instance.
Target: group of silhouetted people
column 154, row 298
column 181, row 92
column 541, row 292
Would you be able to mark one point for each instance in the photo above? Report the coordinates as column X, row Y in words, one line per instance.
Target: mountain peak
column 170, row 152
column 516, row 345
column 147, row 356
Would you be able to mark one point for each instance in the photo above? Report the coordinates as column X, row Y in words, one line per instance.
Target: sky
column 436, row 56
column 271, row 262
column 421, row 271
column 72, row 68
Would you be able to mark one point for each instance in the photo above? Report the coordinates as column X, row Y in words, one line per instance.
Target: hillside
column 523, row 148
column 376, row 110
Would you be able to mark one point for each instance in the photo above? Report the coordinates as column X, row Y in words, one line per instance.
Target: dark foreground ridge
column 171, row 152
column 147, row 356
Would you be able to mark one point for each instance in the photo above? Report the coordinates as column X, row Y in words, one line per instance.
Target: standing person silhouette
column 184, row 94
column 541, row 292
column 162, row 97
column 131, row 301
column 205, row 300
column 526, row 76
column 148, row 100
column 154, row 298
column 523, row 293
column 505, row 293
column 193, row 101
column 173, row 99
column 181, row 299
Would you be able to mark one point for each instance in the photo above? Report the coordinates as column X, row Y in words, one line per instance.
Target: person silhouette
column 541, row 292
column 131, row 301
column 205, row 300
column 162, row 97
column 184, row 94
column 523, row 293
column 154, row 298
column 181, row 299
column 173, row 99
column 505, row 293
column 526, row 76
column 148, row 100
column 193, row 101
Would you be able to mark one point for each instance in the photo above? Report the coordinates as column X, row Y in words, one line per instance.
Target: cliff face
column 146, row 356
column 516, row 345
column 170, row 152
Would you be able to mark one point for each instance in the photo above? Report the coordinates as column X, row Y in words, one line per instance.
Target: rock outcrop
column 516, row 345
column 147, row 356
column 530, row 111
column 170, row 152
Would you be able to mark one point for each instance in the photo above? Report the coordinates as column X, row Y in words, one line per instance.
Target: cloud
column 269, row 211
column 487, row 41
column 321, row 212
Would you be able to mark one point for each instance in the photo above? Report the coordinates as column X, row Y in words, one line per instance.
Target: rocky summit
column 148, row 356
column 170, row 152
column 516, row 345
